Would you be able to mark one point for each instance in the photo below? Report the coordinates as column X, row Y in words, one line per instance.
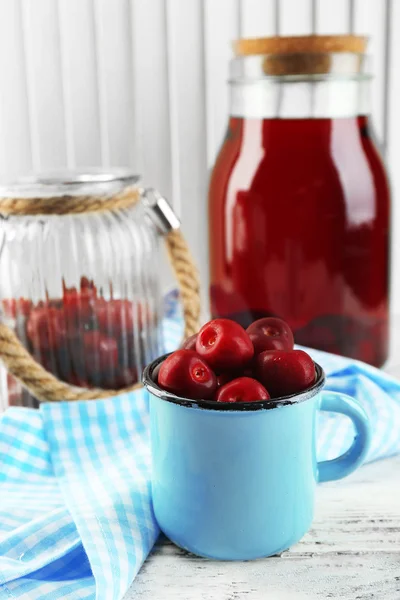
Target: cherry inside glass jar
column 81, row 338
column 299, row 212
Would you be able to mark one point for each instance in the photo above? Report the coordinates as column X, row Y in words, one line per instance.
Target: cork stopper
column 306, row 55
column 305, row 44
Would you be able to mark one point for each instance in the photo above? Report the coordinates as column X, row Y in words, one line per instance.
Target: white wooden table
column 352, row 551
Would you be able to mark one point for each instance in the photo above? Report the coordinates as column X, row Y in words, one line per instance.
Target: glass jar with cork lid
column 299, row 203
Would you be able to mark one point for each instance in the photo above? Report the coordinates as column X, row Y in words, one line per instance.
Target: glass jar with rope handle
column 79, row 281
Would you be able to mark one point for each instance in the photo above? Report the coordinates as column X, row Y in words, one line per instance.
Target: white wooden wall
column 143, row 83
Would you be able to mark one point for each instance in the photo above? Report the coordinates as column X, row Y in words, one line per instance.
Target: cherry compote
column 299, row 228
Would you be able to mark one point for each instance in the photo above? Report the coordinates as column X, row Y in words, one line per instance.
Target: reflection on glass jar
column 81, row 291
column 299, row 205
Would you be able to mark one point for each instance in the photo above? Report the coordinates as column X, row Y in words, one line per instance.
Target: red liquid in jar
column 299, row 228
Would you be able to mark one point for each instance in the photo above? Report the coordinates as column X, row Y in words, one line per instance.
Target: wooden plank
column 173, row 49
column 352, row 551
column 44, row 83
column 295, row 22
column 15, row 144
column 363, row 17
column 78, row 54
column 333, row 17
column 150, row 94
column 188, row 125
column 258, row 18
column 221, row 27
column 361, row 22
column 393, row 154
column 377, row 49
column 114, row 55
column 370, row 18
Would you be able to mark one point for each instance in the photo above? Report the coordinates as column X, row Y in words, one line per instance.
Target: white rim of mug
column 290, row 400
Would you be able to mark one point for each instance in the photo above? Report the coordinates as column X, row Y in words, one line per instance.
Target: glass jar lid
column 300, row 57
column 79, row 182
column 305, row 44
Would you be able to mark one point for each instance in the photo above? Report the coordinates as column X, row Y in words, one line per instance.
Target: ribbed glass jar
column 80, row 290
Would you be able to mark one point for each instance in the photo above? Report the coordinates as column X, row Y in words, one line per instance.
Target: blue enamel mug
column 237, row 481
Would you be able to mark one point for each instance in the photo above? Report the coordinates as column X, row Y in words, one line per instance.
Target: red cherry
column 77, row 381
column 270, row 334
column 189, row 343
column 122, row 378
column 100, row 311
column 62, row 359
column 131, row 349
column 55, row 303
column 75, row 350
column 119, row 316
column 156, row 372
column 248, row 373
column 13, row 307
column 227, row 376
column 185, row 373
column 46, row 328
column 79, row 305
column 285, row 373
column 224, row 344
column 224, row 378
column 48, row 361
column 125, row 377
column 88, row 284
column 101, row 352
column 243, row 389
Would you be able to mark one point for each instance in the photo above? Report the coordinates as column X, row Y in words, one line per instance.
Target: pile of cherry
column 227, row 363
column 84, row 339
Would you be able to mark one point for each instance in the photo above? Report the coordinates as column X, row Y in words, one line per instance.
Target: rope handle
column 46, row 387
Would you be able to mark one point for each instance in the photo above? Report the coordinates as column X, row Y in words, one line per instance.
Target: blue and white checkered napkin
column 75, row 508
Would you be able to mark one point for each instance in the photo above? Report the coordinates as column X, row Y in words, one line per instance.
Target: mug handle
column 349, row 461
